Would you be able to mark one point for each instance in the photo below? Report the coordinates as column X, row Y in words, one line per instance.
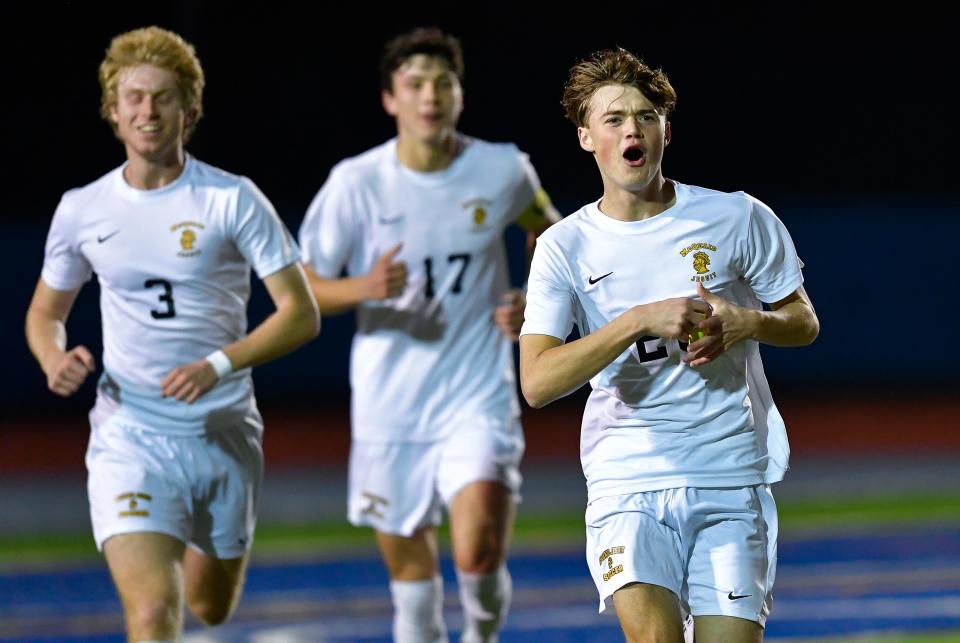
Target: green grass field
column 797, row 519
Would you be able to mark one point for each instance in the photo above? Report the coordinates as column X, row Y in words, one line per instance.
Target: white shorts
column 716, row 549
column 398, row 488
column 200, row 489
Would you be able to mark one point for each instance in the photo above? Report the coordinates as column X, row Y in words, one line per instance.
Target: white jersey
column 431, row 359
column 652, row 422
column 174, row 271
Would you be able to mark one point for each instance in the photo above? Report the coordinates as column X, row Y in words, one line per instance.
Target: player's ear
column 190, row 115
column 667, row 133
column 389, row 102
column 583, row 133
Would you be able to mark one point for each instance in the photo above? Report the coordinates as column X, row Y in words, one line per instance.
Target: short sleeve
column 261, row 237
column 328, row 232
column 770, row 264
column 550, row 298
column 64, row 266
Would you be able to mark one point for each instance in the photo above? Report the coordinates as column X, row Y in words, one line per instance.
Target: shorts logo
column 134, row 508
column 373, row 509
column 701, row 261
column 607, row 555
column 188, row 237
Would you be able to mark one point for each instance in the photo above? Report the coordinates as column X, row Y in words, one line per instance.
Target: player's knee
column 483, row 559
column 481, row 563
column 153, row 614
column 211, row 611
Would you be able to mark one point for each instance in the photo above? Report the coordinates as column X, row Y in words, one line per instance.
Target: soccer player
column 417, row 223
column 175, row 458
column 680, row 437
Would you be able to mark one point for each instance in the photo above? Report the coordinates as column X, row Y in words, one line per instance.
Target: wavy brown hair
column 614, row 67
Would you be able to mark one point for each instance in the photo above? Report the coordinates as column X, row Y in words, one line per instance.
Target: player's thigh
column 227, row 472
column 132, row 486
column 649, row 613
column 726, row 629
column 731, row 539
column 487, row 451
column 146, row 567
column 392, row 486
column 409, row 558
column 214, row 582
column 481, row 521
column 629, row 542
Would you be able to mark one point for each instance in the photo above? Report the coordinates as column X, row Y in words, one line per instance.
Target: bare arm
column 791, row 321
column 550, row 369
column 47, row 337
column 539, row 216
column 295, row 321
column 386, row 279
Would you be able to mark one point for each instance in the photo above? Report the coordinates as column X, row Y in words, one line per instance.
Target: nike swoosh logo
column 734, row 597
column 387, row 221
column 106, row 236
column 593, row 281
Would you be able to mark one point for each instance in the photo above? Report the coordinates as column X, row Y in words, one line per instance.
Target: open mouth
column 634, row 156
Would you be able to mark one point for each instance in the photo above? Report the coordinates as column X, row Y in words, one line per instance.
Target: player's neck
column 423, row 156
column 627, row 205
column 150, row 173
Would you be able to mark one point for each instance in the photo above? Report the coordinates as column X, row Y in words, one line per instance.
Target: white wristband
column 220, row 363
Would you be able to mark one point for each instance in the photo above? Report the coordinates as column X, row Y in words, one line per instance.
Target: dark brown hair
column 424, row 40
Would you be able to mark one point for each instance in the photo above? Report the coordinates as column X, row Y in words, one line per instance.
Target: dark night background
column 844, row 125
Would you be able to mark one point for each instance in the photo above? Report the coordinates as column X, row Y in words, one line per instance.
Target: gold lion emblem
column 700, row 262
column 187, row 239
column 479, row 216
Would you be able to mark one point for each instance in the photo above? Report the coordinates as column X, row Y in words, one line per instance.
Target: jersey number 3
column 166, row 297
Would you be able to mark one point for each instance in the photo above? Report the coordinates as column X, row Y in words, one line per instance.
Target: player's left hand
column 509, row 314
column 727, row 325
column 188, row 382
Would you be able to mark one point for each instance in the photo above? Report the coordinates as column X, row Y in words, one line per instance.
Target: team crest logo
column 479, row 209
column 135, row 502
column 188, row 237
column 612, row 570
column 701, row 261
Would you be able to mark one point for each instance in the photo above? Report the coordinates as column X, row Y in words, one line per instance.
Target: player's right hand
column 673, row 318
column 68, row 370
column 387, row 278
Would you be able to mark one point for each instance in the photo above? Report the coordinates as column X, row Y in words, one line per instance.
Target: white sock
column 418, row 611
column 485, row 600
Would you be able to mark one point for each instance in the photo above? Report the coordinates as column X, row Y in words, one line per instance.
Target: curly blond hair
column 158, row 47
